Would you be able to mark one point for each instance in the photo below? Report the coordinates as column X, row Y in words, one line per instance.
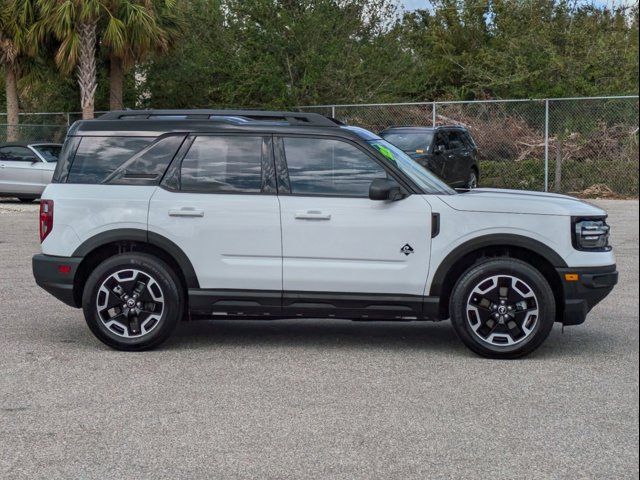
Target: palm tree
column 134, row 30
column 16, row 17
column 127, row 29
column 75, row 24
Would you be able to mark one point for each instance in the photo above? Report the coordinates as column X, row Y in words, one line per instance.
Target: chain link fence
column 582, row 146
column 38, row 127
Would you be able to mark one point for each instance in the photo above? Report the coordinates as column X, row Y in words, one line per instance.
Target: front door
column 457, row 169
column 341, row 250
column 223, row 213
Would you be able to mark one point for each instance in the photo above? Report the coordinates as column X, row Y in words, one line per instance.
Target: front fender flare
column 493, row 240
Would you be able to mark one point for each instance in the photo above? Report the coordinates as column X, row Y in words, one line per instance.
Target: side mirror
column 385, row 189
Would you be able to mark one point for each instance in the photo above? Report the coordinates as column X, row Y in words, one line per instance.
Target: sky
column 413, row 4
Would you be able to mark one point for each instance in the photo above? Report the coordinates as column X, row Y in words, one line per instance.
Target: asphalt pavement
column 321, row 399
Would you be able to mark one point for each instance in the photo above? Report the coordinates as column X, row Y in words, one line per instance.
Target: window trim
column 282, row 167
column 173, row 172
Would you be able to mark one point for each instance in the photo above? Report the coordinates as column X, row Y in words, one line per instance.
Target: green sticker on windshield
column 385, row 151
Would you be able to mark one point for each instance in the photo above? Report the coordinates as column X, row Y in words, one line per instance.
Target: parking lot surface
column 311, row 398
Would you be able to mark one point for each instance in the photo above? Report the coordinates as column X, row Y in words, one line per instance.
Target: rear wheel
column 132, row 301
column 502, row 308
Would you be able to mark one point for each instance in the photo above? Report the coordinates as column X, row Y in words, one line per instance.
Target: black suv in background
column 449, row 151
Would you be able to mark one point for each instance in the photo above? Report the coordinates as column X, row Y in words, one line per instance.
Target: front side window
column 441, row 142
column 329, row 167
column 17, row 154
column 223, row 164
column 456, row 142
column 98, row 157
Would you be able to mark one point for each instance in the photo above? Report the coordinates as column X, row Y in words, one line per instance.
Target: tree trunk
column 86, row 73
column 116, row 81
column 13, row 109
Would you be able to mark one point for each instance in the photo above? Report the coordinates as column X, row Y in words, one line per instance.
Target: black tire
column 150, row 267
column 472, row 179
column 503, row 270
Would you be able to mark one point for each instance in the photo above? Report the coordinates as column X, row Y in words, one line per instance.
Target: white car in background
column 27, row 168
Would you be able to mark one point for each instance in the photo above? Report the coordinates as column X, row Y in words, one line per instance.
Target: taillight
column 46, row 218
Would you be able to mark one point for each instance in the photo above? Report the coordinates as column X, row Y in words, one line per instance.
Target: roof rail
column 293, row 118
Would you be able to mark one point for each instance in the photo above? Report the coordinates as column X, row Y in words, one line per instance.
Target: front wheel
column 502, row 308
column 472, row 180
column 132, row 301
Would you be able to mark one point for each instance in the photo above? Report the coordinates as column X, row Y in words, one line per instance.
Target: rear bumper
column 56, row 275
column 592, row 286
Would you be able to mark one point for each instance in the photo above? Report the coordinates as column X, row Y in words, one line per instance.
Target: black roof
column 231, row 116
column 154, row 123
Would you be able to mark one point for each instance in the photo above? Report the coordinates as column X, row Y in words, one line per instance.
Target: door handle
column 186, row 212
column 313, row 215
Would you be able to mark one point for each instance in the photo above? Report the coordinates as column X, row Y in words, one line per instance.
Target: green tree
column 519, row 49
column 269, row 53
column 16, row 17
column 126, row 29
column 133, row 31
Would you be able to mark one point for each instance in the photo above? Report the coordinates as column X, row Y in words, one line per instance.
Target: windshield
column 410, row 142
column 49, row 152
column 426, row 180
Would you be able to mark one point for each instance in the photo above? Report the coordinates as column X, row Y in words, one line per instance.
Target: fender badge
column 407, row 249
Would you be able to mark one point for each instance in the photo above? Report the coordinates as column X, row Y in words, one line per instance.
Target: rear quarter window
column 97, row 158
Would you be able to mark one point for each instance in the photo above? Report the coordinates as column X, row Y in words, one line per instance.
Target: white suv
column 159, row 216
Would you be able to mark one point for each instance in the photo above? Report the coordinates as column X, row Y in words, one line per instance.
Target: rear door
column 341, row 250
column 22, row 171
column 219, row 205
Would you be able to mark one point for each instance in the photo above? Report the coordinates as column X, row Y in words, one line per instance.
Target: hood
column 495, row 200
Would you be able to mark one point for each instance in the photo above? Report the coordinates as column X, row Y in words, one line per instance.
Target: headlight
column 591, row 234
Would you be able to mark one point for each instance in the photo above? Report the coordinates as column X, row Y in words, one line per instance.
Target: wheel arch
column 106, row 244
column 537, row 254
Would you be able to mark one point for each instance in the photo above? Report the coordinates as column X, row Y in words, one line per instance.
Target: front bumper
column 57, row 275
column 581, row 295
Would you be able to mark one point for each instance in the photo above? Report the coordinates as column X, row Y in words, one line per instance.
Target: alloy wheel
column 130, row 303
column 502, row 310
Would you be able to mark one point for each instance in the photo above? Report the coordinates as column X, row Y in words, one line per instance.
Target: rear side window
column 329, row 167
column 147, row 166
column 98, row 157
column 223, row 164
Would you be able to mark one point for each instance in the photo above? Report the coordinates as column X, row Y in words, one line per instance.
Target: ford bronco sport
column 158, row 216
